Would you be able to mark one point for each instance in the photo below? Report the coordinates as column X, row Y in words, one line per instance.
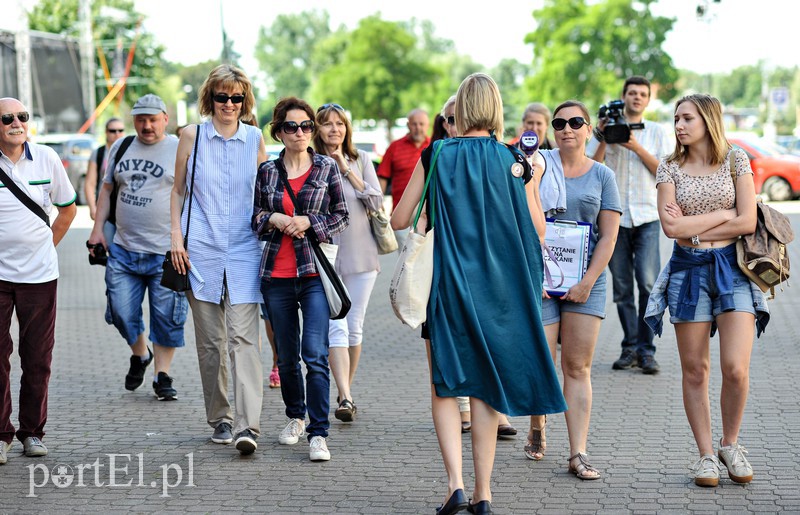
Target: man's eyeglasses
column 291, row 127
column 8, row 118
column 222, row 98
column 451, row 120
column 326, row 106
column 575, row 123
column 116, row 131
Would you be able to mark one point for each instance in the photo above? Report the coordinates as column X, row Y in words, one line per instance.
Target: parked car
column 74, row 151
column 776, row 172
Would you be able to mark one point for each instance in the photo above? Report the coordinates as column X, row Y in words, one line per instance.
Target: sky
column 734, row 33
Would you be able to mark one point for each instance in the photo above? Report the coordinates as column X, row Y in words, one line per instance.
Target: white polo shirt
column 27, row 253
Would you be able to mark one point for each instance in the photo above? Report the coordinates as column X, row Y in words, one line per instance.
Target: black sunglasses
column 451, row 120
column 575, row 123
column 222, row 98
column 291, row 127
column 335, row 106
column 8, row 118
column 115, row 130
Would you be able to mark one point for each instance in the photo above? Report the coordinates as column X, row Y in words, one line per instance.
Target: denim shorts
column 128, row 275
column 595, row 305
column 708, row 303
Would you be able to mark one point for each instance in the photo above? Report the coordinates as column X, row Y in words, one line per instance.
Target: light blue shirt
column 221, row 243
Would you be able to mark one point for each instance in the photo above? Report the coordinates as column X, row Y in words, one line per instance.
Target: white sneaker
column 318, row 449
column 706, row 471
column 292, row 432
column 732, row 456
column 4, row 448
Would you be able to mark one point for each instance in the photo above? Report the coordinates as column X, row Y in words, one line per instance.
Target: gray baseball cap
column 149, row 104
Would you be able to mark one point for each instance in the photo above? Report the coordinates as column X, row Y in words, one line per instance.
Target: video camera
column 617, row 129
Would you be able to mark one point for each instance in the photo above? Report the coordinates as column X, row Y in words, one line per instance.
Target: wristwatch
column 695, row 240
column 346, row 173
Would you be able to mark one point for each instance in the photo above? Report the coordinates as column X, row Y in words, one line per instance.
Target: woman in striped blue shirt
column 222, row 254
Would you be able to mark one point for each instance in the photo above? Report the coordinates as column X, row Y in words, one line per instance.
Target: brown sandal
column 536, row 443
column 583, row 470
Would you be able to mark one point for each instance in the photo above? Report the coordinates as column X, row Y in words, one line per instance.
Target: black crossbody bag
column 22, row 197
column 170, row 277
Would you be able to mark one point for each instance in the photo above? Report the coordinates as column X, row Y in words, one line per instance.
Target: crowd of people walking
column 243, row 229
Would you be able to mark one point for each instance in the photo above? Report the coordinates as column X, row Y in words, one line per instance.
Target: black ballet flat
column 457, row 502
column 480, row 507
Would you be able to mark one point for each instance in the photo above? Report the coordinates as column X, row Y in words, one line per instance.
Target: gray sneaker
column 222, row 433
column 246, row 442
column 34, row 447
column 732, row 456
column 4, row 448
column 318, row 449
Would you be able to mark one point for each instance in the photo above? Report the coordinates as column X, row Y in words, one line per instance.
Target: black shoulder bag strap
column 191, row 189
column 112, row 207
column 285, row 179
column 98, row 160
column 22, row 197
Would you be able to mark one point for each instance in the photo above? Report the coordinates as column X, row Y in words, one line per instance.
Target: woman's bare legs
column 447, row 422
column 693, row 342
column 484, row 444
column 736, row 331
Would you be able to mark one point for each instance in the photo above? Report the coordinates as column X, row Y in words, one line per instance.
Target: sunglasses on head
column 291, row 127
column 575, row 123
column 451, row 120
column 335, row 106
column 223, row 98
column 115, row 130
column 8, row 118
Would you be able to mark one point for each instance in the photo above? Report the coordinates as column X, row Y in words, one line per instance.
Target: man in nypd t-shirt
column 144, row 175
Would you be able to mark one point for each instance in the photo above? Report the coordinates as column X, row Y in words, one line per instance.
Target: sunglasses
column 451, row 120
column 575, row 123
column 115, row 130
column 8, row 118
column 222, row 98
column 326, row 106
column 291, row 127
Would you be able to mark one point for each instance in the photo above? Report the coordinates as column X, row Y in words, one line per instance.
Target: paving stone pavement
column 387, row 461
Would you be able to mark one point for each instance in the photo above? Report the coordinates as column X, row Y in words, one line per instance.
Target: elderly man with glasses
column 33, row 181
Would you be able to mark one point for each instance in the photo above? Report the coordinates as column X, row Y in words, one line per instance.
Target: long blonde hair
column 710, row 110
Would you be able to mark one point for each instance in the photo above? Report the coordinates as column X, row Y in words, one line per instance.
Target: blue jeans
column 128, row 274
column 635, row 254
column 283, row 297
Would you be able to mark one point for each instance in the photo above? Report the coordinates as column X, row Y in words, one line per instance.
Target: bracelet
column 346, row 173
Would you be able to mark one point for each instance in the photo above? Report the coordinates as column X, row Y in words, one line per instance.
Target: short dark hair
column 638, row 80
column 112, row 120
column 283, row 106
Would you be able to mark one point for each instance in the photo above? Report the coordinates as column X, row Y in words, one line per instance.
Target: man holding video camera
column 143, row 169
column 633, row 147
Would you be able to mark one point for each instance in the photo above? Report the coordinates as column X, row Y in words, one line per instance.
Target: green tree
column 284, row 51
column 585, row 51
column 374, row 72
column 113, row 30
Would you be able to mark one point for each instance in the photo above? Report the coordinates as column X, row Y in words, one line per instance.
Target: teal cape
column 485, row 309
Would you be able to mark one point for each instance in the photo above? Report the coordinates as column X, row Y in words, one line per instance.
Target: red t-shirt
column 398, row 164
column 286, row 260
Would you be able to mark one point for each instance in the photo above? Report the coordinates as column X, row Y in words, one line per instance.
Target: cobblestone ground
column 387, row 461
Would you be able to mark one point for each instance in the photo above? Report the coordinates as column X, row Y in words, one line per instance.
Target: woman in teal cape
column 484, row 314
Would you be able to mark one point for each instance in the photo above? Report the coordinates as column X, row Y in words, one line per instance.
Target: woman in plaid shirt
column 288, row 274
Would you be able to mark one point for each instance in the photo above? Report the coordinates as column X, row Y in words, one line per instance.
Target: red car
column 776, row 172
